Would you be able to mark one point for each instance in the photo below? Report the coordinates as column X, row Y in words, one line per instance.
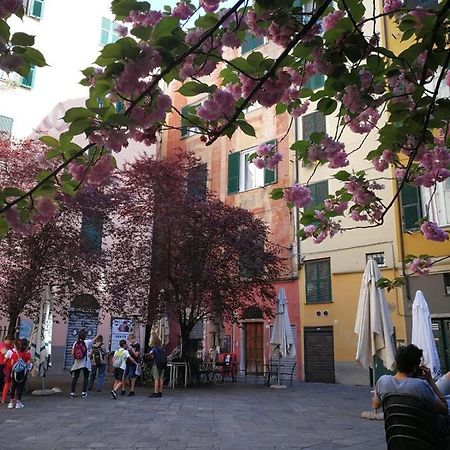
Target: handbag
column 138, row 370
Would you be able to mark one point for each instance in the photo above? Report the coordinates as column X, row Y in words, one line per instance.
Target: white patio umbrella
column 422, row 334
column 281, row 340
column 41, row 337
column 373, row 322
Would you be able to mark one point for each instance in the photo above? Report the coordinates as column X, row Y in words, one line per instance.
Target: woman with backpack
column 81, row 363
column 20, row 359
column 98, row 361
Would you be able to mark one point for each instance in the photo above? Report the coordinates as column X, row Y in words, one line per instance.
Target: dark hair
column 9, row 338
column 82, row 334
column 22, row 345
column 408, row 358
column 122, row 342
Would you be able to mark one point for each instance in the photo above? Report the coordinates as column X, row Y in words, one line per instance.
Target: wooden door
column 254, row 347
column 319, row 355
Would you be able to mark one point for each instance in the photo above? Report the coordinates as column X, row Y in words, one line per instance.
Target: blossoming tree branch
column 368, row 88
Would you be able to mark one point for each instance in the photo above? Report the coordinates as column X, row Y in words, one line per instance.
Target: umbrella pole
column 279, row 364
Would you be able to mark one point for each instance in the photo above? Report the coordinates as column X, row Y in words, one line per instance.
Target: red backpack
column 79, row 350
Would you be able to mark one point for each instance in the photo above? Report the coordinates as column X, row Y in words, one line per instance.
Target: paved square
column 233, row 416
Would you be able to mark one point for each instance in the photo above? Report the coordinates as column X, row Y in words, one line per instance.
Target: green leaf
column 207, row 21
column 342, row 175
column 142, row 32
column 77, row 113
column 4, row 226
column 46, row 190
column 50, row 141
column 69, row 187
column 79, row 126
column 280, row 108
column 33, row 56
column 327, row 106
column 246, row 128
column 276, row 194
column 23, row 39
column 164, row 27
column 122, row 8
column 192, row 88
column 4, row 31
column 12, row 192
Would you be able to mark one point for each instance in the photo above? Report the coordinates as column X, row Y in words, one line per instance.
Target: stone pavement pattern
column 220, row 416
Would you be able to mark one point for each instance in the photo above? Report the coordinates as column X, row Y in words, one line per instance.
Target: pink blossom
column 432, row 232
column 259, row 162
column 10, row 63
column 209, row 5
column 264, row 149
column 231, row 40
column 420, row 14
column 273, row 162
column 77, row 170
column 364, row 121
column 352, row 99
column 300, row 110
column 421, row 265
column 330, row 21
column 45, row 209
column 390, row 6
column 312, row 33
column 297, row 195
column 101, row 170
column 219, row 106
column 252, row 20
column 121, row 30
column 281, row 34
column 399, row 173
column 182, row 10
column 8, row 7
column 381, row 163
column 116, row 140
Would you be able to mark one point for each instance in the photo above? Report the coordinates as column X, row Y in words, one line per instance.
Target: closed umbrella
column 373, row 322
column 282, row 340
column 41, row 338
column 422, row 334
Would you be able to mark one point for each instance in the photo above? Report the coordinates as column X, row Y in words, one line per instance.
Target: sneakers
column 19, row 404
column 11, row 405
column 131, row 394
column 113, row 394
column 73, row 395
column 156, row 394
column 84, row 394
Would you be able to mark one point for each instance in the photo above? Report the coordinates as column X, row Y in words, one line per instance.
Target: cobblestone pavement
column 233, row 416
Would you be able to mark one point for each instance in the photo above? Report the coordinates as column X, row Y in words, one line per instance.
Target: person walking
column 134, row 349
column 5, row 367
column 120, row 358
column 81, row 363
column 98, row 362
column 159, row 358
column 20, row 365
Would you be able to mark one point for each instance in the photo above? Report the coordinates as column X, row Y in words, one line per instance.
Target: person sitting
column 413, row 379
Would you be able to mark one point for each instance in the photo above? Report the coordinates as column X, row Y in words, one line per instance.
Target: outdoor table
column 173, row 373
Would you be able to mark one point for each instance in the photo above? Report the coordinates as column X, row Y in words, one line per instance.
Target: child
column 20, row 365
column 81, row 363
column 159, row 365
column 5, row 367
column 121, row 356
column 98, row 360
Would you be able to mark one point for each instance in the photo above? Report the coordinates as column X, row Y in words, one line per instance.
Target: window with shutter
column 35, row 8
column 196, row 181
column 28, row 81
column 318, row 281
column 313, row 123
column 184, row 130
column 315, row 82
column 234, row 160
column 436, row 203
column 319, row 192
column 6, row 124
column 108, row 33
column 411, row 206
column 270, row 176
column 251, row 42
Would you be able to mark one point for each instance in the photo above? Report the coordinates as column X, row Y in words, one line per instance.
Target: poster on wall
column 120, row 329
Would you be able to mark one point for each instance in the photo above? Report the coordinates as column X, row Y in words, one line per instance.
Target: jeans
column 75, row 375
column 100, row 371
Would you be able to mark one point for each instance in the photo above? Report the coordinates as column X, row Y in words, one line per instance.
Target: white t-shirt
column 124, row 355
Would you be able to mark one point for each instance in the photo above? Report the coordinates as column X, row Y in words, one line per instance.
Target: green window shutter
column 270, row 176
column 318, row 281
column 119, row 106
column 251, row 42
column 319, row 192
column 313, row 123
column 234, row 160
column 36, row 8
column 411, row 206
column 28, row 81
column 184, row 130
column 315, row 82
column 104, row 35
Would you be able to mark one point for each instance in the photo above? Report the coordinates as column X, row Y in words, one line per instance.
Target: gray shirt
column 387, row 384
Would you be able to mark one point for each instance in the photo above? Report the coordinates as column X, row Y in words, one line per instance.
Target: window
column 6, row 124
column 244, row 175
column 313, row 123
column 315, row 82
column 28, row 81
column 377, row 257
column 411, row 206
column 108, row 34
column 438, row 205
column 196, row 181
column 34, row 8
column 187, row 128
column 319, row 192
column 318, row 281
column 251, row 42
column 119, row 106
column 447, row 283
column 92, row 232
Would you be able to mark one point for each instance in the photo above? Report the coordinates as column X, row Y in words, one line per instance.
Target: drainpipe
column 296, row 212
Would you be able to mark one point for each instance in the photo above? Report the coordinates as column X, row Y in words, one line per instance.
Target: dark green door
column 441, row 332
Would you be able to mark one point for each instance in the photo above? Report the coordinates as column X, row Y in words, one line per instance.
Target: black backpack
column 160, row 358
column 98, row 355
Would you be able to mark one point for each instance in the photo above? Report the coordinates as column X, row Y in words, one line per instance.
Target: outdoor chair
column 227, row 362
column 410, row 424
column 286, row 367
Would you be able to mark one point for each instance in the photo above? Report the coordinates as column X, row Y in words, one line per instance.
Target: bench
column 287, row 368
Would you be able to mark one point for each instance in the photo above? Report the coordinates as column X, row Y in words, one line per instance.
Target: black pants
column 18, row 385
column 76, row 374
column 2, row 376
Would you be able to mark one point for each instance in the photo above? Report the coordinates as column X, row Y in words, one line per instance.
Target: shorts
column 158, row 374
column 118, row 373
column 130, row 371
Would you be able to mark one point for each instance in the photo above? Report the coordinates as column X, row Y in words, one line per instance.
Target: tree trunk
column 12, row 324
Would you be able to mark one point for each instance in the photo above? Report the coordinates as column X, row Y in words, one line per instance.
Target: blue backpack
column 19, row 370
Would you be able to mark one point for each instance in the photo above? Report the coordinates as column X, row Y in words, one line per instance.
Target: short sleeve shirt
column 137, row 348
column 387, row 384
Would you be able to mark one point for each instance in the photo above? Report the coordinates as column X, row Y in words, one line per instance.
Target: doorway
column 319, row 355
column 254, row 347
